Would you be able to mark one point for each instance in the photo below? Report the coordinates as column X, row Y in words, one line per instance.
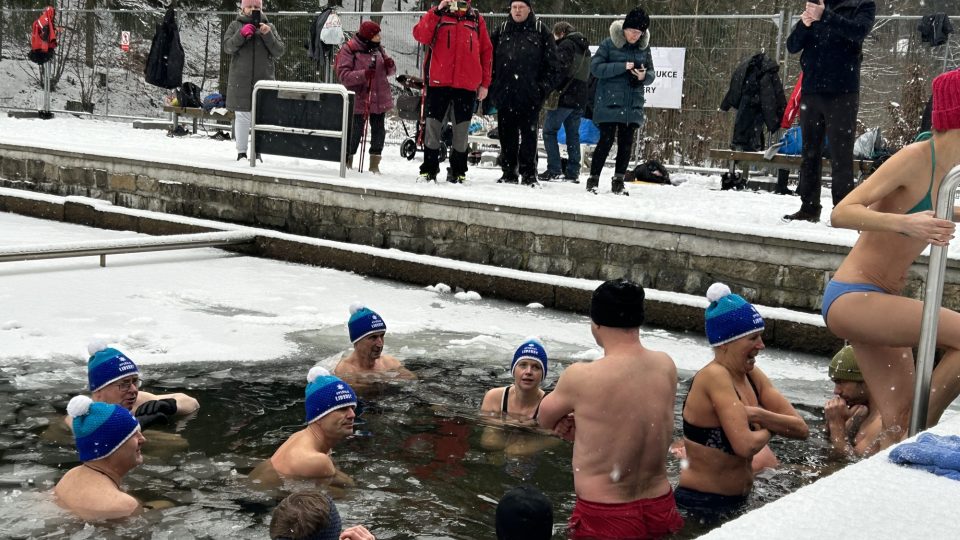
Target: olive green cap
column 844, row 366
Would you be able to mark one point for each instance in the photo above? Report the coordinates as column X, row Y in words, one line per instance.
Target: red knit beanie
column 946, row 101
column 367, row 30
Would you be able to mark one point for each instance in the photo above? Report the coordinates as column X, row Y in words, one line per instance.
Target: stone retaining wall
column 769, row 271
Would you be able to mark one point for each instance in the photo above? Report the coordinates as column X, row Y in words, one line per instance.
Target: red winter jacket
column 461, row 55
column 351, row 64
column 44, row 36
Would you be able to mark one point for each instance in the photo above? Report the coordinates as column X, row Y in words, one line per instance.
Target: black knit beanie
column 617, row 303
column 637, row 19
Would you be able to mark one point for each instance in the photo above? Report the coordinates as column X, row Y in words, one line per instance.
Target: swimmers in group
column 114, row 378
column 618, row 411
column 330, row 412
column 367, row 330
column 108, row 443
column 893, row 209
column 730, row 412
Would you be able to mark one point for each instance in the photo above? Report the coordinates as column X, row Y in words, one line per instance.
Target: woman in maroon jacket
column 363, row 66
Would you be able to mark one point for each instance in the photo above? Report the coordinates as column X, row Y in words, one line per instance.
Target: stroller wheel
column 443, row 151
column 408, row 149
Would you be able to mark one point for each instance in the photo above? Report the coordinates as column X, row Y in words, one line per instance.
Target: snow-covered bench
column 196, row 113
column 861, row 167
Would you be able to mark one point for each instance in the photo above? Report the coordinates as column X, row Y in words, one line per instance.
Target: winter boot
column 617, row 185
column 374, row 164
column 530, row 180
column 350, row 161
column 241, row 155
column 593, row 182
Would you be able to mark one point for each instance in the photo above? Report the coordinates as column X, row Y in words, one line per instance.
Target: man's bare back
column 623, row 409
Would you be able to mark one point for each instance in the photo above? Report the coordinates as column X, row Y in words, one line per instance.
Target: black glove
column 155, row 412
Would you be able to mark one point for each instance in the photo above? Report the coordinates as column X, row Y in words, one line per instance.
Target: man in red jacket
column 458, row 74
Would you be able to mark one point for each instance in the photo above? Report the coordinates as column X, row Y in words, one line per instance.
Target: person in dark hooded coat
column 573, row 51
column 525, row 67
column 623, row 65
column 252, row 53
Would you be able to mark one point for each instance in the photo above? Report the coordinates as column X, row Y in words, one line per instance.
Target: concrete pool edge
column 786, row 329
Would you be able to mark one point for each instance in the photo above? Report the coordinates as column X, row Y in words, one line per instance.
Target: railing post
column 932, row 300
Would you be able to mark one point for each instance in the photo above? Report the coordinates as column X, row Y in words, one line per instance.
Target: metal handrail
column 125, row 245
column 932, row 300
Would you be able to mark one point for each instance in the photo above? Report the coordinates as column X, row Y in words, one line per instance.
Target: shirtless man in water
column 367, row 331
column 114, row 378
column 893, row 210
column 623, row 404
column 108, row 442
column 330, row 407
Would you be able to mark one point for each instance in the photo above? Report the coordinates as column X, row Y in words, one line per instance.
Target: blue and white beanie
column 99, row 428
column 531, row 349
column 729, row 316
column 363, row 322
column 326, row 393
column 107, row 365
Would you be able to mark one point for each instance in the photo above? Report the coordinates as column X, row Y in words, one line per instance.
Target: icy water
column 419, row 468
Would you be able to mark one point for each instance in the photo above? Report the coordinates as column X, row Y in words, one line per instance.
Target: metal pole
column 46, row 87
column 931, row 307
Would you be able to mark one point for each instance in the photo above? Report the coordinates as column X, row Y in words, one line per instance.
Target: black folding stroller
column 411, row 106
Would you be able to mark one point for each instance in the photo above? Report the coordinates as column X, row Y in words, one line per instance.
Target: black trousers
column 610, row 131
column 833, row 115
column 376, row 134
column 518, row 140
column 440, row 100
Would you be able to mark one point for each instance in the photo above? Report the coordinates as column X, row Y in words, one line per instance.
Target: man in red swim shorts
column 623, row 410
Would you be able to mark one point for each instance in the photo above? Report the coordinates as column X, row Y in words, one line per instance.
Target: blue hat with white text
column 326, row 393
column 99, row 428
column 363, row 322
column 531, row 349
column 107, row 365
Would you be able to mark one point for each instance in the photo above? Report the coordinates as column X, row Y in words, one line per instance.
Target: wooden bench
column 196, row 113
column 862, row 167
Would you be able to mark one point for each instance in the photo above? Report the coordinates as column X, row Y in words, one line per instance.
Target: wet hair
column 562, row 28
column 303, row 514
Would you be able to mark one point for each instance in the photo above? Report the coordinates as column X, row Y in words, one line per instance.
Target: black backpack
column 188, row 95
column 652, row 171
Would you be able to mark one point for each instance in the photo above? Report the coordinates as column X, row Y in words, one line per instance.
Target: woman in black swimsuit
column 519, row 403
column 730, row 412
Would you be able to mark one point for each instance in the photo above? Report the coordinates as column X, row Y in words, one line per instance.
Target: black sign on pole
column 304, row 120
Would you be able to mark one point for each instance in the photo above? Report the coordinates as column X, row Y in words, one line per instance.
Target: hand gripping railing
column 932, row 300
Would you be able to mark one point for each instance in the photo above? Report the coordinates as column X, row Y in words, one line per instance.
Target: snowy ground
column 695, row 202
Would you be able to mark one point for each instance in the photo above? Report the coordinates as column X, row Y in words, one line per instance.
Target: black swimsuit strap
column 503, row 402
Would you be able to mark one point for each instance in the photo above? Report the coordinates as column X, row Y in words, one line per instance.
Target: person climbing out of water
column 618, row 411
column 893, row 210
column 518, row 403
column 108, row 443
column 730, row 412
column 367, row 333
column 330, row 411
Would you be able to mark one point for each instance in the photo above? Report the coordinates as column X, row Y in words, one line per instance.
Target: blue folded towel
column 933, row 453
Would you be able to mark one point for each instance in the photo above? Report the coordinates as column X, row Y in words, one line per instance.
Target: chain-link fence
column 92, row 73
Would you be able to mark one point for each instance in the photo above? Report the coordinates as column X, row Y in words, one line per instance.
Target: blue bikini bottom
column 836, row 289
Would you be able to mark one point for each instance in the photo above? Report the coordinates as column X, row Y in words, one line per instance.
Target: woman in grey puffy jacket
column 252, row 51
column 623, row 66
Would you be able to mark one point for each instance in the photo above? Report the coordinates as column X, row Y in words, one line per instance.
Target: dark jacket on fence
column 833, row 46
column 525, row 64
column 935, row 29
column 756, row 92
column 460, row 50
column 165, row 62
column 352, row 62
column 573, row 51
column 618, row 98
column 251, row 60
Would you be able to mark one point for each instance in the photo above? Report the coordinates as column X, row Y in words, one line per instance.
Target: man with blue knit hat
column 114, row 378
column 618, row 411
column 108, row 442
column 367, row 330
column 330, row 412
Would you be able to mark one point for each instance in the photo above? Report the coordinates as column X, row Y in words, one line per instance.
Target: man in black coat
column 830, row 35
column 525, row 67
